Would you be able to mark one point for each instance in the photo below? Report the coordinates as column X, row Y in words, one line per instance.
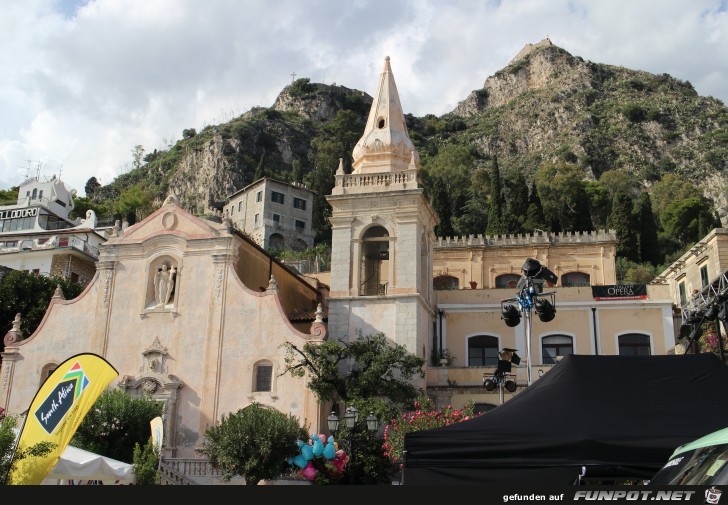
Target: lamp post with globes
column 350, row 418
column 531, row 297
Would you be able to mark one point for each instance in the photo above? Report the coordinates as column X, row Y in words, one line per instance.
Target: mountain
column 545, row 106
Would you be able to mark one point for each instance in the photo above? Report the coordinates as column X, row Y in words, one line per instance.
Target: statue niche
column 162, row 284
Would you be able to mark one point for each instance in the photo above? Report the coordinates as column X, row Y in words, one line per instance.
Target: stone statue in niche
column 164, row 284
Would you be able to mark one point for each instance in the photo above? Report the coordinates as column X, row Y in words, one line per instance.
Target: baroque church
column 194, row 312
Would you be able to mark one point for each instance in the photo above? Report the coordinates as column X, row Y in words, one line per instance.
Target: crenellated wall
column 477, row 260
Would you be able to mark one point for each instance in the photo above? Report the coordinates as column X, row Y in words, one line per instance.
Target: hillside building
column 38, row 235
column 275, row 214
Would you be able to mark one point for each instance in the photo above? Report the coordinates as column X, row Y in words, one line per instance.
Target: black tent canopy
column 596, row 417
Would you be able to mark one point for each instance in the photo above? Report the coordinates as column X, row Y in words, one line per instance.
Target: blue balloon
column 300, row 461
column 307, row 452
column 330, row 450
column 318, row 447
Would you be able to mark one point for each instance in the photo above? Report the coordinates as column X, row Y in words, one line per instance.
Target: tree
column 495, row 209
column 29, row 295
column 9, row 454
column 92, row 185
column 137, row 155
column 146, row 464
column 255, row 442
column 370, row 373
column 689, row 220
column 623, row 222
column 134, row 204
column 335, row 140
column 563, row 194
column 516, row 198
column 448, row 175
column 534, row 215
column 116, row 423
column 600, row 203
column 649, row 251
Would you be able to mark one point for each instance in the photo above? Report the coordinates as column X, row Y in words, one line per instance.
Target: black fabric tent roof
column 616, row 417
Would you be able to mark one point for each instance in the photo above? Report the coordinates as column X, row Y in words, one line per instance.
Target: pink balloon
column 309, row 472
column 322, row 437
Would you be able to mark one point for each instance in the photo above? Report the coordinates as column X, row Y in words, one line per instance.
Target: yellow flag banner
column 157, row 427
column 57, row 410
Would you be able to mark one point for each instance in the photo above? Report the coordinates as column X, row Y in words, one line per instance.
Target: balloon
column 331, row 439
column 299, row 443
column 322, row 437
column 309, row 472
column 340, row 453
column 300, row 461
column 329, row 451
column 318, row 447
column 307, row 452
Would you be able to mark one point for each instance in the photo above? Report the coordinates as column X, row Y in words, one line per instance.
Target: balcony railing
column 56, row 242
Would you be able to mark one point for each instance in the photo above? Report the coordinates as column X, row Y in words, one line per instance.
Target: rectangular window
column 704, row 276
column 263, row 378
column 74, row 277
column 240, row 206
column 276, row 219
column 277, row 197
column 259, row 196
column 683, row 296
column 256, row 220
column 299, row 203
column 300, row 225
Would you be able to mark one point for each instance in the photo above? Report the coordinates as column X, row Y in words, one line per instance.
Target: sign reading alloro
column 620, row 292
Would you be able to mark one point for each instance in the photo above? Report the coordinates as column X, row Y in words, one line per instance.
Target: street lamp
column 531, row 296
column 350, row 418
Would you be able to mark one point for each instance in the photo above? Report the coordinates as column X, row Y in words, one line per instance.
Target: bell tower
column 382, row 234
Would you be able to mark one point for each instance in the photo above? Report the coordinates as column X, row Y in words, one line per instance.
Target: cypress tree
column 495, row 209
column 623, row 222
column 649, row 250
column 516, row 198
column 534, row 215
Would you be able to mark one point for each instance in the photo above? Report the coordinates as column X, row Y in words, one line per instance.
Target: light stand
column 531, row 296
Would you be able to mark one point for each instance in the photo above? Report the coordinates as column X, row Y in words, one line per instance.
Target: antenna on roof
column 60, row 170
column 37, row 171
column 27, row 170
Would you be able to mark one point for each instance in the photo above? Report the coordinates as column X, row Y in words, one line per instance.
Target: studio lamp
column 532, row 269
column 545, row 310
column 722, row 311
column 511, row 315
column 711, row 313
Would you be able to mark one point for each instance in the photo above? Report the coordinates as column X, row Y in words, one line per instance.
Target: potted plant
column 445, row 357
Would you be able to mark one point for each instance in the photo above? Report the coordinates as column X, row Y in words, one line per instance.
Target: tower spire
column 385, row 145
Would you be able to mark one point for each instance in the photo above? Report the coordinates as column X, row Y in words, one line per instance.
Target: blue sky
column 83, row 82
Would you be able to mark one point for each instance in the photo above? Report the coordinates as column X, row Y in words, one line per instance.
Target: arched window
column 374, row 261
column 507, row 281
column 263, row 377
column 634, row 344
column 483, row 350
column 299, row 245
column 575, row 279
column 446, row 282
column 556, row 345
column 276, row 242
column 46, row 371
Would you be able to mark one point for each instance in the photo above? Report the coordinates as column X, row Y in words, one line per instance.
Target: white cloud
column 84, row 82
